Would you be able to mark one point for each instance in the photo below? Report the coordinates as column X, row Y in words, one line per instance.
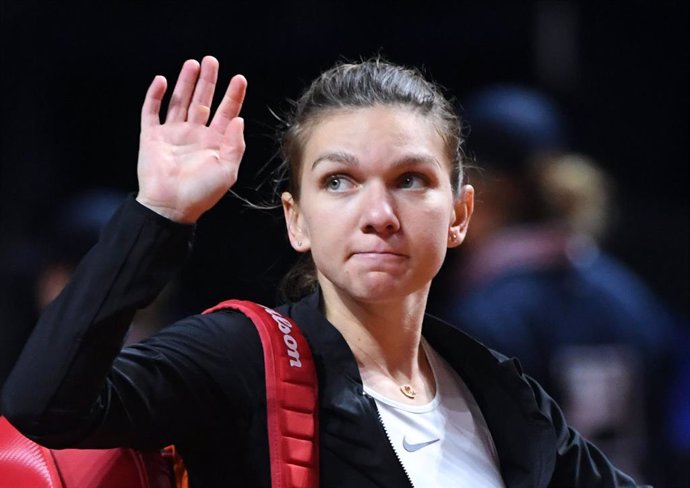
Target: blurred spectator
column 74, row 229
column 35, row 272
column 533, row 281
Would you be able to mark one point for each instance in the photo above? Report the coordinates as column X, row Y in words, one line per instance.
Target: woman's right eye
column 338, row 183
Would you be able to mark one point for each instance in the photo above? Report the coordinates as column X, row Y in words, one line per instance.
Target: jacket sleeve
column 72, row 385
column 579, row 463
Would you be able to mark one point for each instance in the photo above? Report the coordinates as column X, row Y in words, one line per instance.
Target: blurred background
column 74, row 74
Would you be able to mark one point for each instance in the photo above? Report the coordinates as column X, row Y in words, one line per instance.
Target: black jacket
column 199, row 383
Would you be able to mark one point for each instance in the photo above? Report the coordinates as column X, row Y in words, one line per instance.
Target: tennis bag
column 291, row 396
column 291, row 403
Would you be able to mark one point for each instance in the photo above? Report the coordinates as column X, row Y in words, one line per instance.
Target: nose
column 379, row 213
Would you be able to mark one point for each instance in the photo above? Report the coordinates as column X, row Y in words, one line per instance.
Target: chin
column 377, row 289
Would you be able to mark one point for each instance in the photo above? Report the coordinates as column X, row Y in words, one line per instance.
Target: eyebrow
column 351, row 160
column 336, row 157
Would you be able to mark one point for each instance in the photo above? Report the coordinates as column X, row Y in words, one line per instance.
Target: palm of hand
column 181, row 167
column 186, row 166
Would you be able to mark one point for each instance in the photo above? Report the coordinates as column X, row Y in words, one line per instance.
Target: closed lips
column 379, row 258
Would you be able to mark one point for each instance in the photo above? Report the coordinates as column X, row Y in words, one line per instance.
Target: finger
column 200, row 108
column 231, row 104
column 182, row 94
column 150, row 110
column 233, row 146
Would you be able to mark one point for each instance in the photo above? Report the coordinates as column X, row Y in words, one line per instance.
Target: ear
column 462, row 212
column 293, row 221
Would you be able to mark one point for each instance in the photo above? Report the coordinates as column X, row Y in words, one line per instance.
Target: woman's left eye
column 412, row 180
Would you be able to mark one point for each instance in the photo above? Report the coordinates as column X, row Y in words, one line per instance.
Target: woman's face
column 376, row 209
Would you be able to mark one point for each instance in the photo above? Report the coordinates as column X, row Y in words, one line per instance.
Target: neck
column 391, row 329
column 385, row 338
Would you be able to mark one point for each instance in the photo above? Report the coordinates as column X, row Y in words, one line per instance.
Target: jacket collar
column 522, row 434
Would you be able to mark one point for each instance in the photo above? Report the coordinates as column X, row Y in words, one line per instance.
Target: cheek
column 434, row 222
column 431, row 231
column 320, row 224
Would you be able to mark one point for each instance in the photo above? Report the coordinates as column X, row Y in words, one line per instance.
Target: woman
column 374, row 199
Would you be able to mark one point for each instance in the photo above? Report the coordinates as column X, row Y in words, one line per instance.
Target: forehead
column 374, row 132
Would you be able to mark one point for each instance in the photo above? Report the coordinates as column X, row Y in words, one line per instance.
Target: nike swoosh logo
column 416, row 447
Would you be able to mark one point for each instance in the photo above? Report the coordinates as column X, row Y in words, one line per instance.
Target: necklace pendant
column 408, row 391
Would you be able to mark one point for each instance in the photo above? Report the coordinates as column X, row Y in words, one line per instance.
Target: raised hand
column 187, row 164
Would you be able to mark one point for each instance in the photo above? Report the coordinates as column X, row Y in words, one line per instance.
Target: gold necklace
column 408, row 391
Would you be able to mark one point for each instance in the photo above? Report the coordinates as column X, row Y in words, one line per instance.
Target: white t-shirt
column 445, row 443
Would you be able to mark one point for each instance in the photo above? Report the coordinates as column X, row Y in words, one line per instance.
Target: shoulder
column 457, row 345
column 217, row 328
column 217, row 343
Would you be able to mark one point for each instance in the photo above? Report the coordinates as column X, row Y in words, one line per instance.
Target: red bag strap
column 291, row 396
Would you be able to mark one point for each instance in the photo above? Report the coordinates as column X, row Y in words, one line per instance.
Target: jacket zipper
column 390, row 441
